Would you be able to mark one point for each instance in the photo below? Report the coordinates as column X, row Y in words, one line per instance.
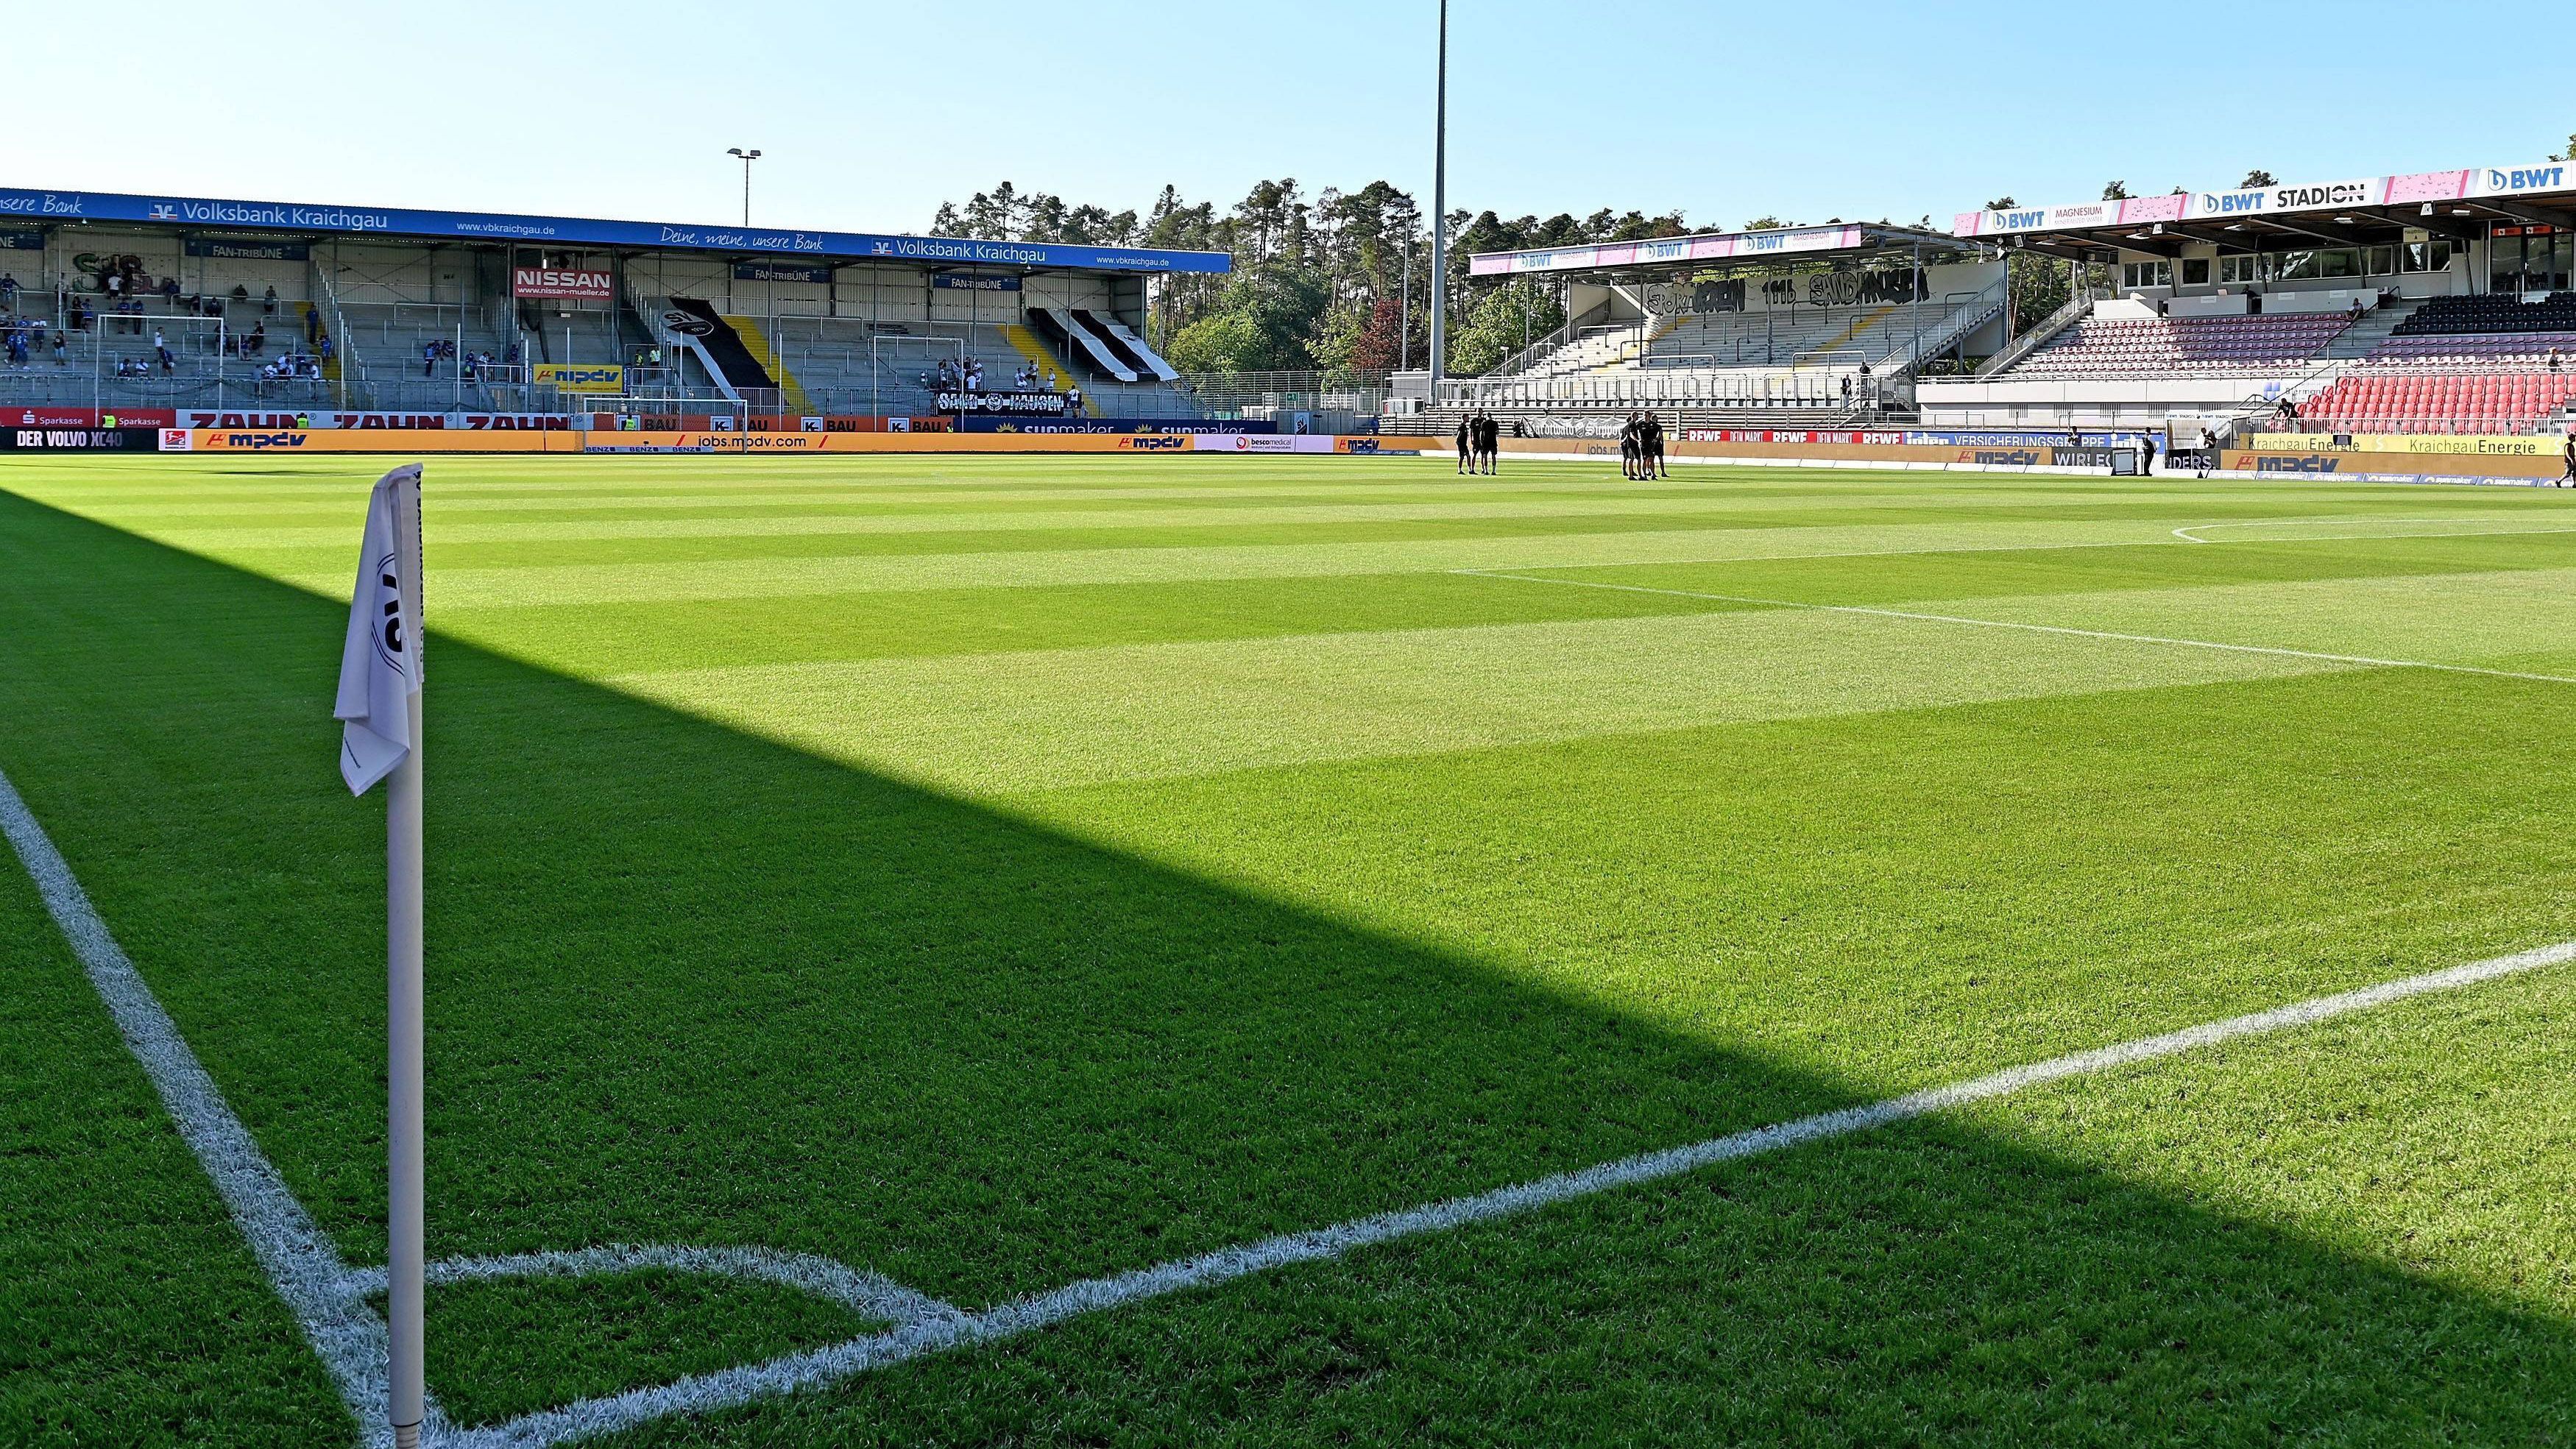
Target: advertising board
column 571, row 284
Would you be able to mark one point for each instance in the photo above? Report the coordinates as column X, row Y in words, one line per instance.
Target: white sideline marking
column 2191, row 534
column 815, row 1368
column 329, row 1298
column 300, row 1260
column 2359, row 659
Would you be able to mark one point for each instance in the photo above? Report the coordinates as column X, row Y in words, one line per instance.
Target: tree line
column 1320, row 279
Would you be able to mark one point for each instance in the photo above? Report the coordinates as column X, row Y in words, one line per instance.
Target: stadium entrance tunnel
column 694, row 988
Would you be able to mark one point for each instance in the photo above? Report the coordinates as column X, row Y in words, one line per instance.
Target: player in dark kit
column 1630, row 447
column 1489, row 440
column 1466, row 443
column 1650, row 438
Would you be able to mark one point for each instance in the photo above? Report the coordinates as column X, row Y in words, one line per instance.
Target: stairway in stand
column 756, row 342
column 1026, row 344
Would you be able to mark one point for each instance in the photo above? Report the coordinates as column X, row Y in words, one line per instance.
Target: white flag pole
column 404, row 1225
column 378, row 705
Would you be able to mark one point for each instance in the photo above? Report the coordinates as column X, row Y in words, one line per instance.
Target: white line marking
column 730, row 1388
column 865, row 1294
column 329, row 1298
column 2191, row 534
column 2355, row 659
column 300, row 1260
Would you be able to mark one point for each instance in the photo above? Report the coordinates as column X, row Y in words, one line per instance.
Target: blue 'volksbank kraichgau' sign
column 976, row 281
column 75, row 207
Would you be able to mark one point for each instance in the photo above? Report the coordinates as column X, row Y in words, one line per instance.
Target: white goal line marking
column 2365, row 660
column 330, row 1299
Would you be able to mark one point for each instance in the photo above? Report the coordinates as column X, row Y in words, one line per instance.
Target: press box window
column 2244, row 267
column 2195, row 271
column 2146, row 274
column 2426, row 256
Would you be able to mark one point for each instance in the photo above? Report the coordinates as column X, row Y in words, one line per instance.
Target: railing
column 2038, row 337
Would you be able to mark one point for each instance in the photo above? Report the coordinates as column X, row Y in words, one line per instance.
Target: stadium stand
column 2454, row 316
column 2185, row 346
column 2434, row 403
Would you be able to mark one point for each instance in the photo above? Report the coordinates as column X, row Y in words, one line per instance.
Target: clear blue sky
column 871, row 114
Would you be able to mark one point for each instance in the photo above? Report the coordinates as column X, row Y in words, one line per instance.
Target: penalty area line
column 2361, row 660
column 819, row 1368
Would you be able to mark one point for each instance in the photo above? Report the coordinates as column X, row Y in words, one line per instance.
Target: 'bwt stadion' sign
column 2476, row 181
column 74, row 207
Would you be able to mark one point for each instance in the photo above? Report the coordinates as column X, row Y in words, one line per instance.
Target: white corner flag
column 379, row 714
column 380, row 663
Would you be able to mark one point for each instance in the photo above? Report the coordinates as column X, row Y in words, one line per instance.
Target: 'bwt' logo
column 2230, row 203
column 2536, row 178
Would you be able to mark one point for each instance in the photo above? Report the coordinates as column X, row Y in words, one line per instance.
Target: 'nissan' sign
column 556, row 282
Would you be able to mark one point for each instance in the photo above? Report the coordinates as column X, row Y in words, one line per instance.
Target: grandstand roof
column 194, row 213
column 2456, row 204
column 1663, row 253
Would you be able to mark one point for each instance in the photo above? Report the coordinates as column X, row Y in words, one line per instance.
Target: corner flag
column 380, row 663
column 379, row 713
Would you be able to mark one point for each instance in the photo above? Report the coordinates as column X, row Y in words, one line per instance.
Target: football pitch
column 1085, row 951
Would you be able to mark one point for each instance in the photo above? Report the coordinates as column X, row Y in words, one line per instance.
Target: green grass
column 995, row 872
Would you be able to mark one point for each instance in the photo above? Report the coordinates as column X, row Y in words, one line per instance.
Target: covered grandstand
column 2425, row 302
column 142, row 305
column 1821, row 324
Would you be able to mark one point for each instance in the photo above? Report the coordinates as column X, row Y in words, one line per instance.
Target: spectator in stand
column 240, row 292
column 161, row 347
column 170, row 293
column 322, row 349
column 61, row 349
column 8, row 292
column 312, row 325
column 510, row 355
column 257, row 342
column 1073, row 403
column 429, row 359
column 268, row 303
column 115, row 284
column 2553, row 359
column 2288, row 411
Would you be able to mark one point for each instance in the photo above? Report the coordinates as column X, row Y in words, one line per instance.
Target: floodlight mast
column 747, row 158
column 1440, row 213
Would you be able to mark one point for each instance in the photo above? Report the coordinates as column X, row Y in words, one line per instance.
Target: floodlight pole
column 1440, row 214
column 747, row 158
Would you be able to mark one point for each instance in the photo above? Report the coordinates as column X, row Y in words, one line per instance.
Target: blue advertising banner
column 975, row 281
column 1115, row 425
column 780, row 272
column 99, row 206
column 199, row 246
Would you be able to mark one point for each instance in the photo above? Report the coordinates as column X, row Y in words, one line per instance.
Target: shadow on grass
column 688, row 986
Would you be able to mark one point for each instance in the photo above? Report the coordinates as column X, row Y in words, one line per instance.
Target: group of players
column 1641, row 445
column 1480, row 439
